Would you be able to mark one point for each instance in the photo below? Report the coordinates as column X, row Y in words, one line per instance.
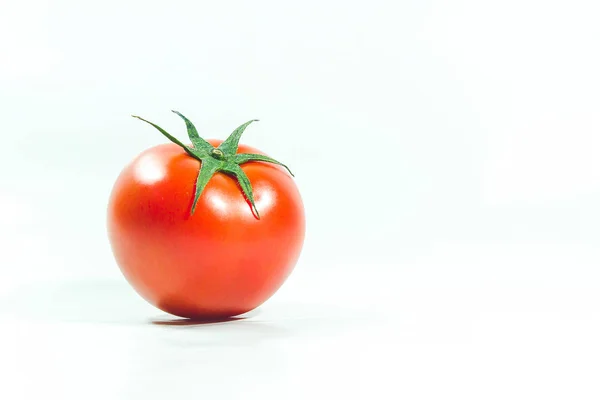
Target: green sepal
column 196, row 140
column 245, row 157
column 242, row 178
column 230, row 145
column 168, row 136
column 207, row 170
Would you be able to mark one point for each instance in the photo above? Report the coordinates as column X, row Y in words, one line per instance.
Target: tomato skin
column 221, row 261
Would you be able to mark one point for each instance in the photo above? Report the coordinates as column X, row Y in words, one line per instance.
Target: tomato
column 219, row 260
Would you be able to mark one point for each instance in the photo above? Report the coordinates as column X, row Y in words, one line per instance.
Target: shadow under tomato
column 194, row 322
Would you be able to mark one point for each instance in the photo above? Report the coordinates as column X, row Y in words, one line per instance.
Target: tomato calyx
column 218, row 159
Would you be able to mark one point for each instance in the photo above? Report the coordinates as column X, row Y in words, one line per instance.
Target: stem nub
column 218, row 154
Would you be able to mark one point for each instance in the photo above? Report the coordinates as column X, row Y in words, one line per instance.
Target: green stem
column 222, row 159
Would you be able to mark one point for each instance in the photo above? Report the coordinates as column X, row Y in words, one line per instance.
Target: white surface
column 464, row 263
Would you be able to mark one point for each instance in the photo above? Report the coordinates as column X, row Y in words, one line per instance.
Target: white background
column 447, row 152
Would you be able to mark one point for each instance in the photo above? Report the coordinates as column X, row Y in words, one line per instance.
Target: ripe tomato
column 221, row 260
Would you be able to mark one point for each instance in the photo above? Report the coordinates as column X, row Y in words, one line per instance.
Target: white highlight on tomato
column 149, row 169
column 218, row 203
column 264, row 199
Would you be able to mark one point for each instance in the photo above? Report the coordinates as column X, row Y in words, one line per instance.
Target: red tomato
column 219, row 261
